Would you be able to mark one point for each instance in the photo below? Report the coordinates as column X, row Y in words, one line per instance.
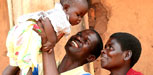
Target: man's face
column 112, row 55
column 80, row 45
column 76, row 13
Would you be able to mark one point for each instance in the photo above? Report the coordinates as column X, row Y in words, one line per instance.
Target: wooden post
column 4, row 28
column 9, row 3
column 97, row 20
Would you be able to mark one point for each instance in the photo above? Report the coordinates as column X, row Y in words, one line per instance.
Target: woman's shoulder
column 133, row 72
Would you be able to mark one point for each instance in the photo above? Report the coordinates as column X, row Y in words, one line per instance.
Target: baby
column 23, row 43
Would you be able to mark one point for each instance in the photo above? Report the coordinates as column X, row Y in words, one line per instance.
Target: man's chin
column 73, row 24
column 103, row 65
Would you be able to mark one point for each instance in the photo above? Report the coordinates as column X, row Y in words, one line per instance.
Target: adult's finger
column 50, row 51
column 45, row 49
column 40, row 25
column 36, row 31
column 50, row 32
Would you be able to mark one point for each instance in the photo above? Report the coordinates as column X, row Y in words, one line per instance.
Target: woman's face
column 80, row 45
column 112, row 55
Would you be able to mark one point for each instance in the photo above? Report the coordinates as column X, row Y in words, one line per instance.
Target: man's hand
column 40, row 30
column 47, row 33
column 47, row 47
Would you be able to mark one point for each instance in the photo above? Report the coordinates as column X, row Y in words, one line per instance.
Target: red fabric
column 133, row 72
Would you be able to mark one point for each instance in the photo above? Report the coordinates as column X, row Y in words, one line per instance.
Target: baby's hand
column 47, row 47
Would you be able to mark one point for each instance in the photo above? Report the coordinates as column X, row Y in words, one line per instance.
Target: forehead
column 112, row 41
column 115, row 44
column 81, row 5
column 90, row 34
column 87, row 32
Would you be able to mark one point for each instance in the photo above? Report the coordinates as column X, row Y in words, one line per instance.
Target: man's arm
column 49, row 64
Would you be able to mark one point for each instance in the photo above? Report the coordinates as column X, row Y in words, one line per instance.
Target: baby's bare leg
column 11, row 70
column 29, row 72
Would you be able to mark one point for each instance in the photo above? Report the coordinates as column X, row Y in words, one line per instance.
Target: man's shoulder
column 76, row 71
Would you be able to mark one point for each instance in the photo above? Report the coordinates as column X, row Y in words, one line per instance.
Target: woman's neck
column 68, row 63
column 120, row 71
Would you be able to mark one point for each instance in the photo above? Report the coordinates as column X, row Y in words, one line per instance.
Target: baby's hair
column 73, row 2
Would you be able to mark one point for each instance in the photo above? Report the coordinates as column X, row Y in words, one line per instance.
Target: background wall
column 106, row 16
column 135, row 17
column 4, row 27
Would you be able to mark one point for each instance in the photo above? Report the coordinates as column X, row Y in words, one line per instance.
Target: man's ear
column 127, row 54
column 66, row 7
column 91, row 58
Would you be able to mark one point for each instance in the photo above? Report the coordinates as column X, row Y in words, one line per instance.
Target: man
column 82, row 48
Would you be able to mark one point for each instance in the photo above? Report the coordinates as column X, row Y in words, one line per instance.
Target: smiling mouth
column 75, row 44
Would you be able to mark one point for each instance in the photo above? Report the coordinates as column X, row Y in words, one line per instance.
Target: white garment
column 23, row 31
column 57, row 16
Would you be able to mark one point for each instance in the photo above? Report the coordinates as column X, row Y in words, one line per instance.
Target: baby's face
column 76, row 13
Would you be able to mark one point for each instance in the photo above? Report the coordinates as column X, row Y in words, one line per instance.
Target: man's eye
column 87, row 41
column 111, row 48
column 78, row 14
column 107, row 47
column 79, row 33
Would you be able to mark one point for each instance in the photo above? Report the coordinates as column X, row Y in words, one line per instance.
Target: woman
column 120, row 54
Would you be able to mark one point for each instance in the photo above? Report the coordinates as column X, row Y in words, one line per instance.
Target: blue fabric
column 86, row 74
column 35, row 72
